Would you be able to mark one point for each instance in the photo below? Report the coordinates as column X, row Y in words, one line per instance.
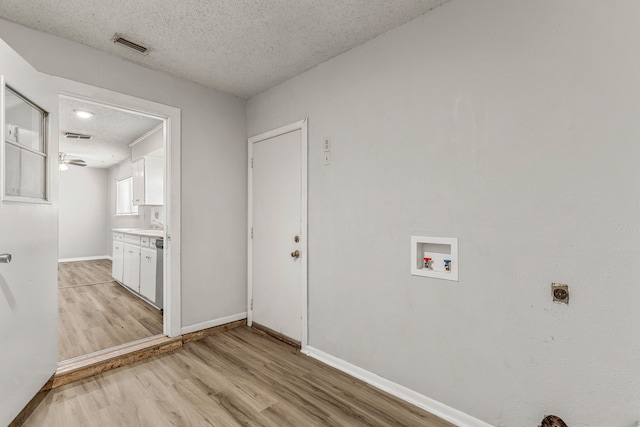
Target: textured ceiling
column 112, row 131
column 238, row 46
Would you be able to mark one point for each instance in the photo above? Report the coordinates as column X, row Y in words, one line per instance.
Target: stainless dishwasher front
column 159, row 244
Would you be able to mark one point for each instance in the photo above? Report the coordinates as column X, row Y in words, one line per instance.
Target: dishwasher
column 159, row 244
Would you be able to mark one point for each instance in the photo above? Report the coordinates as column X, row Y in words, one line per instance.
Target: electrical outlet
column 560, row 292
column 327, row 158
column 327, row 144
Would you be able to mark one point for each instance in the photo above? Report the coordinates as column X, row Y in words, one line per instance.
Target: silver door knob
column 295, row 254
column 5, row 258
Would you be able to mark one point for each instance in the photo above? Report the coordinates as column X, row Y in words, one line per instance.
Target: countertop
column 140, row 231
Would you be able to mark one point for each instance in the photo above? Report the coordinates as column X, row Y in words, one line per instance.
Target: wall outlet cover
column 327, row 158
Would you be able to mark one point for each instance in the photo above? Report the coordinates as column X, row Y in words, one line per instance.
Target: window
column 25, row 149
column 124, row 197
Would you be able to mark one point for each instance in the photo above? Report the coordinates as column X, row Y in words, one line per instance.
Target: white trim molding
column 85, row 258
column 214, row 323
column 155, row 129
column 433, row 406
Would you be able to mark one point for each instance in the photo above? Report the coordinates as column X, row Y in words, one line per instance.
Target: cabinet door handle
column 130, row 252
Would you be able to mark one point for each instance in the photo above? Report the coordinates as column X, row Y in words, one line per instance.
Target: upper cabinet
column 148, row 181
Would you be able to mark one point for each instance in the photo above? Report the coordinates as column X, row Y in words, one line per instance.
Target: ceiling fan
column 63, row 162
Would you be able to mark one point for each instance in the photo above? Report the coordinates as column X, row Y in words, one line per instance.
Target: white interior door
column 278, row 219
column 28, row 231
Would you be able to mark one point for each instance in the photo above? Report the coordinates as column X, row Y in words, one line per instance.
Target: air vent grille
column 118, row 39
column 72, row 135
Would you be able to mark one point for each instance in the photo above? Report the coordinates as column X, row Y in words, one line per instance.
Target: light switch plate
column 327, row 144
column 327, row 158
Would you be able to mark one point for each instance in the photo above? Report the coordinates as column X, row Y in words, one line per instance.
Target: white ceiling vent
column 73, row 135
column 118, row 39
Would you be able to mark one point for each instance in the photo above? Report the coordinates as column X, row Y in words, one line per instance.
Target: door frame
column 172, row 319
column 302, row 126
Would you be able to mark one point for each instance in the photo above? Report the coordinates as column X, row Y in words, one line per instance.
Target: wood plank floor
column 240, row 377
column 96, row 313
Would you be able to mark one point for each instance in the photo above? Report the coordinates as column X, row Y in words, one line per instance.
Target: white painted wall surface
column 151, row 142
column 214, row 205
column 514, row 127
column 84, row 220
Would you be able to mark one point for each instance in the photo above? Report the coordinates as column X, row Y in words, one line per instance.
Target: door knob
column 5, row 258
column 295, row 254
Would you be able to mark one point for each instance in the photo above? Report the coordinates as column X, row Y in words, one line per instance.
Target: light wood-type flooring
column 96, row 313
column 241, row 377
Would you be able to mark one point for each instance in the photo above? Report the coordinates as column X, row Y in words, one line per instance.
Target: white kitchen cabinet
column 138, row 265
column 148, row 263
column 138, row 183
column 131, row 268
column 117, row 263
column 148, row 181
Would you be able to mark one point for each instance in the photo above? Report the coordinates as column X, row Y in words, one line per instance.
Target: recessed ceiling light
column 83, row 114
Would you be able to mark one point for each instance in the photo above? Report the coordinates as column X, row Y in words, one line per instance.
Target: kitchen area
column 137, row 252
column 111, row 229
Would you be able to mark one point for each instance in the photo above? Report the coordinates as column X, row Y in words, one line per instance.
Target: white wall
column 213, row 164
column 512, row 126
column 84, row 221
column 151, row 142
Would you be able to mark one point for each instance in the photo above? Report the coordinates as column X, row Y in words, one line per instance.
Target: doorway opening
column 115, row 283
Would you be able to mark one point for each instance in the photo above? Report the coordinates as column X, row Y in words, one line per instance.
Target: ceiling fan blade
column 62, row 158
column 75, row 162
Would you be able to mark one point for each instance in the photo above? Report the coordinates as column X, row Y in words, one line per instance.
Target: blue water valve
column 447, row 264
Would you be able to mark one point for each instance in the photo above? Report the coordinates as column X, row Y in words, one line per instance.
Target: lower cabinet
column 131, row 268
column 136, row 265
column 117, row 263
column 148, row 263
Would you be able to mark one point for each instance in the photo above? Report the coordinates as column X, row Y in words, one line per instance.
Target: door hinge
column 252, row 163
column 251, row 304
column 252, row 232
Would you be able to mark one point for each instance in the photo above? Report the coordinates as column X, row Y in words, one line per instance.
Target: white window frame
column 5, row 140
column 132, row 209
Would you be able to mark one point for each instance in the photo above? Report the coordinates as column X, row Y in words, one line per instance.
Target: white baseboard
column 213, row 323
column 85, row 258
column 433, row 406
